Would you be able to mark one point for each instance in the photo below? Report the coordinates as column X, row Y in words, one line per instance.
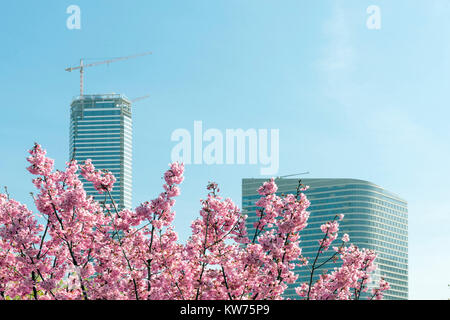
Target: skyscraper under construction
column 101, row 130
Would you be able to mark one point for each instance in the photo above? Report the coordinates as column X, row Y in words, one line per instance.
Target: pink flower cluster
column 102, row 180
column 87, row 251
column 347, row 281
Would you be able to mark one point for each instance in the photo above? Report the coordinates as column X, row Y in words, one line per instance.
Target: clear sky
column 349, row 102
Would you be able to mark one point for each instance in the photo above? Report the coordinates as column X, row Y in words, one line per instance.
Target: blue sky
column 348, row 101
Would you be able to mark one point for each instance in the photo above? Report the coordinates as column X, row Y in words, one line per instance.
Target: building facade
column 101, row 130
column 374, row 219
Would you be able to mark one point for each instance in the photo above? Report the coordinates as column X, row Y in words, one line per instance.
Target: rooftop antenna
column 82, row 66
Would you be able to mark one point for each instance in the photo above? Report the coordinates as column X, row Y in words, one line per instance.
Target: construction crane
column 140, row 98
column 82, row 66
column 293, row 175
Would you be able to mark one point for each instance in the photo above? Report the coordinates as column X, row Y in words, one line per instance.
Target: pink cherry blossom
column 90, row 250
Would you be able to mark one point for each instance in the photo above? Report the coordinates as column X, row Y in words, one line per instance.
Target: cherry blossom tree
column 89, row 249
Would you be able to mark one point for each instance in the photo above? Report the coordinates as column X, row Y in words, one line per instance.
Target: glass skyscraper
column 101, row 130
column 374, row 219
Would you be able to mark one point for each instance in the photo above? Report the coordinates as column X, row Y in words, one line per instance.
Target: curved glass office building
column 374, row 218
column 101, row 130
